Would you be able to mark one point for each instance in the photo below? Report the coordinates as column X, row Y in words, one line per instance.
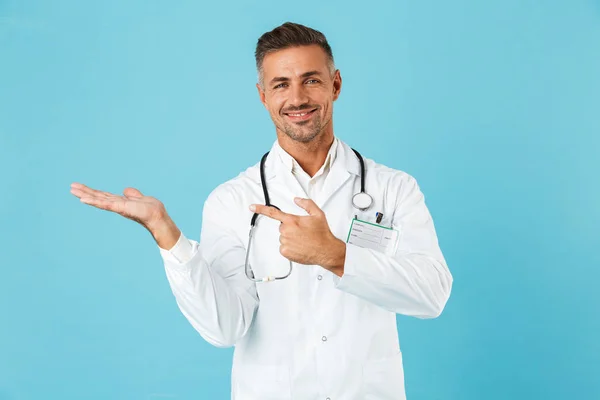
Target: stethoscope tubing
column 248, row 269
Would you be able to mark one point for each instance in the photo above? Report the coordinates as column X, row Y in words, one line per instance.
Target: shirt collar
column 291, row 165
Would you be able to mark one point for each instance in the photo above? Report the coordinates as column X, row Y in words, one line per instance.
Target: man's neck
column 310, row 156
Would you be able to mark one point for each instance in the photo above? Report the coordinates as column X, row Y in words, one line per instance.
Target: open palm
column 132, row 204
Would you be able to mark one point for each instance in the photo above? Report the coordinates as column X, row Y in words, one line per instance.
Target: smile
column 300, row 116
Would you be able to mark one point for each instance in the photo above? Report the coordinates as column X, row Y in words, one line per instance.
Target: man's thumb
column 132, row 193
column 308, row 205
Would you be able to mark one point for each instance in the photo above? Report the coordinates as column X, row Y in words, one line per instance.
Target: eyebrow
column 285, row 79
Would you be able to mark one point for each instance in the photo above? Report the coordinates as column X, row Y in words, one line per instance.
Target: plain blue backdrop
column 493, row 106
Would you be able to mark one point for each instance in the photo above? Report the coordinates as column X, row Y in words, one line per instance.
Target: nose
column 298, row 95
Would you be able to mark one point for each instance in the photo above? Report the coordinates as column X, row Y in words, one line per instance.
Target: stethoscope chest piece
column 362, row 200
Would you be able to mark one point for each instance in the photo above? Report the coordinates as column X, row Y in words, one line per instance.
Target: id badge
column 373, row 236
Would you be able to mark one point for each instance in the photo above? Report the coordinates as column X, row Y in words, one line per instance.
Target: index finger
column 270, row 212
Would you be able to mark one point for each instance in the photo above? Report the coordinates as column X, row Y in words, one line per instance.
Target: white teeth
column 297, row 115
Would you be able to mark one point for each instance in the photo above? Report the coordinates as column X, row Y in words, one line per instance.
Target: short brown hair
column 289, row 35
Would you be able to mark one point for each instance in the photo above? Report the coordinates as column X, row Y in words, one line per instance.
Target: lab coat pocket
column 383, row 379
column 262, row 382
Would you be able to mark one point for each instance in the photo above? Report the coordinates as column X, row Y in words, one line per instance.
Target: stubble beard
column 299, row 133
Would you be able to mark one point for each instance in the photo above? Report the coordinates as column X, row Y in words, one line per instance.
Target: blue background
column 492, row 106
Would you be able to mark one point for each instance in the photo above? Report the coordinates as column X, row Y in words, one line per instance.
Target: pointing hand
column 307, row 239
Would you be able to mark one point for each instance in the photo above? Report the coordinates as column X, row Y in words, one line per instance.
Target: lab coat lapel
column 343, row 167
column 277, row 174
column 288, row 179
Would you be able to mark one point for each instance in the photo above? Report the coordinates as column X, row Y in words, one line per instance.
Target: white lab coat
column 313, row 335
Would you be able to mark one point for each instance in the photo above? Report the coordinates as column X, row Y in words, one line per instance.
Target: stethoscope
column 361, row 201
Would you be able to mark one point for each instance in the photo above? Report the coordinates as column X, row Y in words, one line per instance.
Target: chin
column 302, row 137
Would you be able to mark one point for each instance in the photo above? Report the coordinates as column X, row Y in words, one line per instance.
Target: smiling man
column 338, row 246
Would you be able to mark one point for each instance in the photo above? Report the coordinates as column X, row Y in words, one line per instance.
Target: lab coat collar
column 343, row 165
column 340, row 156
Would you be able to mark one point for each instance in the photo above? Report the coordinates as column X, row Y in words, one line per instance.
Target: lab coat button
column 320, row 277
column 324, row 338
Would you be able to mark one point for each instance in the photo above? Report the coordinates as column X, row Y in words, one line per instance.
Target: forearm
column 221, row 312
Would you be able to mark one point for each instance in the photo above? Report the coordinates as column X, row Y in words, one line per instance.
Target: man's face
column 299, row 91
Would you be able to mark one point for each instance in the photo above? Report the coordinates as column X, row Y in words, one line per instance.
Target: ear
column 261, row 94
column 337, row 84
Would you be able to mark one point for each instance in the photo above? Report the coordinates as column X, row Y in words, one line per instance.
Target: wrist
column 336, row 257
column 165, row 233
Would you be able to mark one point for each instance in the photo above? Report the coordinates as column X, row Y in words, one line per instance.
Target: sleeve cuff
column 181, row 253
column 344, row 282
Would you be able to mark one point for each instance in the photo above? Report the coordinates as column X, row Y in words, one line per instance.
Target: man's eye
column 280, row 85
column 312, row 81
